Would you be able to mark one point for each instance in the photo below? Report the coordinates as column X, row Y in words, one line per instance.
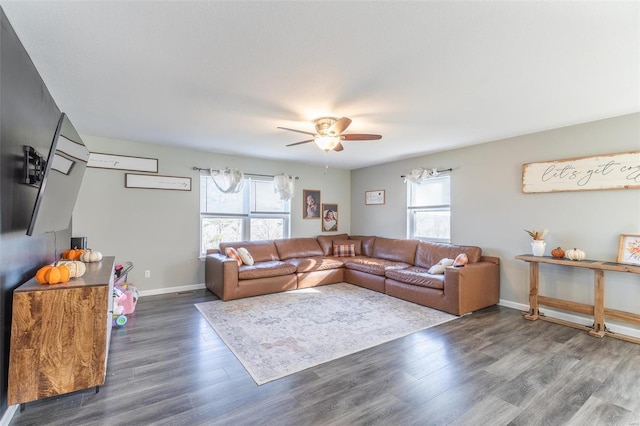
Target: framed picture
column 99, row 160
column 629, row 249
column 374, row 197
column 311, row 204
column 329, row 217
column 133, row 180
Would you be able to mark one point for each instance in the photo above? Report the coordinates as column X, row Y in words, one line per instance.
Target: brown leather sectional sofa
column 397, row 267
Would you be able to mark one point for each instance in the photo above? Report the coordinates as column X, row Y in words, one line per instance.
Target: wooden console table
column 597, row 310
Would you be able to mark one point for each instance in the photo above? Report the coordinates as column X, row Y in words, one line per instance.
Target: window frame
column 247, row 213
column 413, row 210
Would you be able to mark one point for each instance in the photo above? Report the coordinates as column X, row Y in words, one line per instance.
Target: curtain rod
column 248, row 174
column 439, row 171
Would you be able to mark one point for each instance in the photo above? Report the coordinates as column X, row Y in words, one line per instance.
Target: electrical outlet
column 147, row 273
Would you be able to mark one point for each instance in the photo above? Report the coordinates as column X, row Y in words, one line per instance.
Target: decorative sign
column 122, row 162
column 609, row 171
column 132, row 180
column 374, row 197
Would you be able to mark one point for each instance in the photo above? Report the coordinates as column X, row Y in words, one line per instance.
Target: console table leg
column 598, row 304
column 533, row 314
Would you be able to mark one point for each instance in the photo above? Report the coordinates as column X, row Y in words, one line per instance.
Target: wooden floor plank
column 597, row 411
column 168, row 367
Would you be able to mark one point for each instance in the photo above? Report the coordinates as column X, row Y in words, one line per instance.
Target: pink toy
column 119, row 297
column 128, row 303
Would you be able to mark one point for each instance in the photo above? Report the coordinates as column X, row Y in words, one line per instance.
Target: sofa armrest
column 473, row 286
column 491, row 259
column 221, row 275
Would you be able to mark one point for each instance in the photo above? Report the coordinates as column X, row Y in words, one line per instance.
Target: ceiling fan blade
column 297, row 131
column 360, row 137
column 300, row 143
column 338, row 147
column 339, row 126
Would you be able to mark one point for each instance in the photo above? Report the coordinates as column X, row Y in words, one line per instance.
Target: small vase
column 537, row 247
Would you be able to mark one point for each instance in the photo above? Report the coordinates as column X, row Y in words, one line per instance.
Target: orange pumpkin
column 558, row 253
column 72, row 254
column 52, row 274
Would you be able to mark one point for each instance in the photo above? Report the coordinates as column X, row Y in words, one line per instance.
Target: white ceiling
column 428, row 76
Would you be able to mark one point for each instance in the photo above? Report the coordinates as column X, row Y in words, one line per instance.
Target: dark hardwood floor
column 168, row 367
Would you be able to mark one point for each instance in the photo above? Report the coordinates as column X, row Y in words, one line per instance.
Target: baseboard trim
column 578, row 319
column 8, row 415
column 169, row 290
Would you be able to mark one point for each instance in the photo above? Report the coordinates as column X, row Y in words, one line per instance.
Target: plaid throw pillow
column 344, row 250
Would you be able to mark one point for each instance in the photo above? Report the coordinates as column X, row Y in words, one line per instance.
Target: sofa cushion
column 290, row 248
column 398, row 250
column 367, row 243
column 272, row 268
column 357, row 245
column 260, row 250
column 428, row 254
column 417, row 276
column 372, row 265
column 316, row 263
column 326, row 242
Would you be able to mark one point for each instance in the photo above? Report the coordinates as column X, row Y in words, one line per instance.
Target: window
column 254, row 213
column 429, row 209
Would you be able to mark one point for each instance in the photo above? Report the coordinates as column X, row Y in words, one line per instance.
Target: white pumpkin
column 575, row 254
column 75, row 267
column 90, row 256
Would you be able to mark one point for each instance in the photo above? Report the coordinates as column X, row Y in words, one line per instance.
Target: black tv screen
column 66, row 163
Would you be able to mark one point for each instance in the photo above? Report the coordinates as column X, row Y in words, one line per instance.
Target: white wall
column 490, row 210
column 158, row 230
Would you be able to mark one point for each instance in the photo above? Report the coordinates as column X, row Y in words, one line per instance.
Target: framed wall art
column 374, row 197
column 629, row 249
column 122, row 162
column 134, row 180
column 329, row 217
column 311, row 204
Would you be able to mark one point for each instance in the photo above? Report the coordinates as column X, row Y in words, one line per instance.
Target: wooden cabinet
column 60, row 335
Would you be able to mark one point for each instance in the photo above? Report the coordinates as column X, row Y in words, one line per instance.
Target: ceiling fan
column 329, row 134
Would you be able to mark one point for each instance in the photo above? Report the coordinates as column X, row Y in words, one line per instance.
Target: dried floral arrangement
column 537, row 235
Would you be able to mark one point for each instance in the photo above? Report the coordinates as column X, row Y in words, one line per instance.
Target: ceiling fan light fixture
column 327, row 143
column 329, row 134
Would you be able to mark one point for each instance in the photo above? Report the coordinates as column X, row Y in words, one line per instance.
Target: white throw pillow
column 438, row 268
column 446, row 262
column 246, row 257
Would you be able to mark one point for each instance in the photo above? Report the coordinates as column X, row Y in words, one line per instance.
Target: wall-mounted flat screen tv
column 61, row 181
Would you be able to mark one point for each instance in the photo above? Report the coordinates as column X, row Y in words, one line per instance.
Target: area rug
column 280, row 334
